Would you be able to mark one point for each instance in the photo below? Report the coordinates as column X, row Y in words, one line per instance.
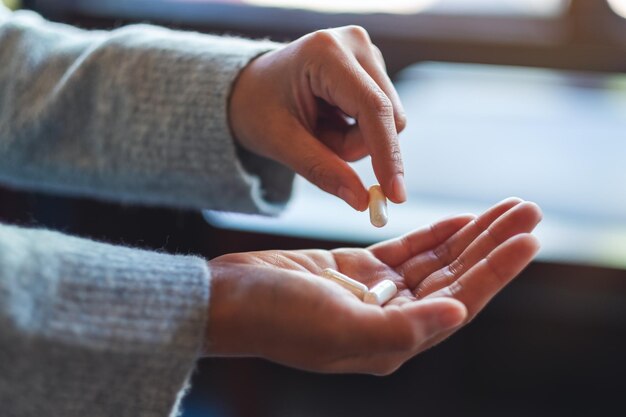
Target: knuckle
column 407, row 242
column 316, row 173
column 396, row 158
column 490, row 235
column 480, row 223
column 359, row 33
column 498, row 276
column 456, row 267
column 381, row 104
column 420, row 292
column 455, row 288
column 378, row 53
column 442, row 253
column 378, row 56
column 323, row 40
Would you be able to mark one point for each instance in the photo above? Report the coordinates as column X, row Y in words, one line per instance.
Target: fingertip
column 530, row 242
column 510, row 201
column 527, row 213
column 513, row 256
column 398, row 189
column 457, row 315
column 439, row 314
column 536, row 209
column 362, row 200
column 453, row 313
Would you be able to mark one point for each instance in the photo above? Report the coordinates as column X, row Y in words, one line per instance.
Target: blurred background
column 503, row 97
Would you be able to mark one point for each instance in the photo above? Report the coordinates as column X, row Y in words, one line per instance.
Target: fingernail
column 399, row 188
column 348, row 196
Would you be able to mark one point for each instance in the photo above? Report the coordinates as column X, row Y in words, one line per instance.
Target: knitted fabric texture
column 89, row 329
column 136, row 115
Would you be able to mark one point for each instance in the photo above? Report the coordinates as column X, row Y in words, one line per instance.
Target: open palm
column 276, row 305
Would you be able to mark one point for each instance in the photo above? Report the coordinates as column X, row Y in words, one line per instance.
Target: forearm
column 135, row 115
column 92, row 329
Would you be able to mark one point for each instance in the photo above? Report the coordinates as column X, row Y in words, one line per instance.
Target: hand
column 318, row 102
column 275, row 305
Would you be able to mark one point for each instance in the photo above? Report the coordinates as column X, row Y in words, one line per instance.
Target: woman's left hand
column 277, row 306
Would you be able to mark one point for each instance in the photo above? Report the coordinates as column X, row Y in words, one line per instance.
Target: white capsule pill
column 355, row 287
column 378, row 206
column 381, row 293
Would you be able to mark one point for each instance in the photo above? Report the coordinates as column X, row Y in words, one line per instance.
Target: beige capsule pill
column 355, row 287
column 381, row 293
column 377, row 206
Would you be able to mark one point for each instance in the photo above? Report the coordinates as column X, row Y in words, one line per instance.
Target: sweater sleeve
column 89, row 329
column 137, row 115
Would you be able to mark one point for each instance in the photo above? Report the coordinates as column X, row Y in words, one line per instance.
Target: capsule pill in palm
column 355, row 287
column 381, row 293
column 377, row 206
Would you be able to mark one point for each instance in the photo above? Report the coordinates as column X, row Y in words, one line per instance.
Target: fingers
column 522, row 218
column 319, row 165
column 423, row 264
column 487, row 278
column 397, row 251
column 481, row 282
column 344, row 83
column 375, row 67
column 349, row 142
column 374, row 114
column 372, row 60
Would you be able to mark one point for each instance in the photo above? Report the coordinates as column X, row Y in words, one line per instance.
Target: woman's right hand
column 318, row 103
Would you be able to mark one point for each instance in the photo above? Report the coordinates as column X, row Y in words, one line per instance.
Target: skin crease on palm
column 276, row 305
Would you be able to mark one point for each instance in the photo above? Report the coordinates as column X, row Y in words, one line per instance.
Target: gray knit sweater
column 135, row 115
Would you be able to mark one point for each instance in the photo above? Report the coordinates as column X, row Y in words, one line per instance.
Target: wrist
column 242, row 102
column 217, row 311
column 228, row 323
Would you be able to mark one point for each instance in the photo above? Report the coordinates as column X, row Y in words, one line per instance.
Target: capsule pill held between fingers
column 381, row 293
column 377, row 206
column 355, row 287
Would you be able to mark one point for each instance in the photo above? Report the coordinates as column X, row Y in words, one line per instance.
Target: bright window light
column 491, row 7
column 355, row 6
column 619, row 7
column 503, row 7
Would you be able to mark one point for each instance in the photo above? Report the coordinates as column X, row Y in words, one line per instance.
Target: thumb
column 433, row 316
column 319, row 165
